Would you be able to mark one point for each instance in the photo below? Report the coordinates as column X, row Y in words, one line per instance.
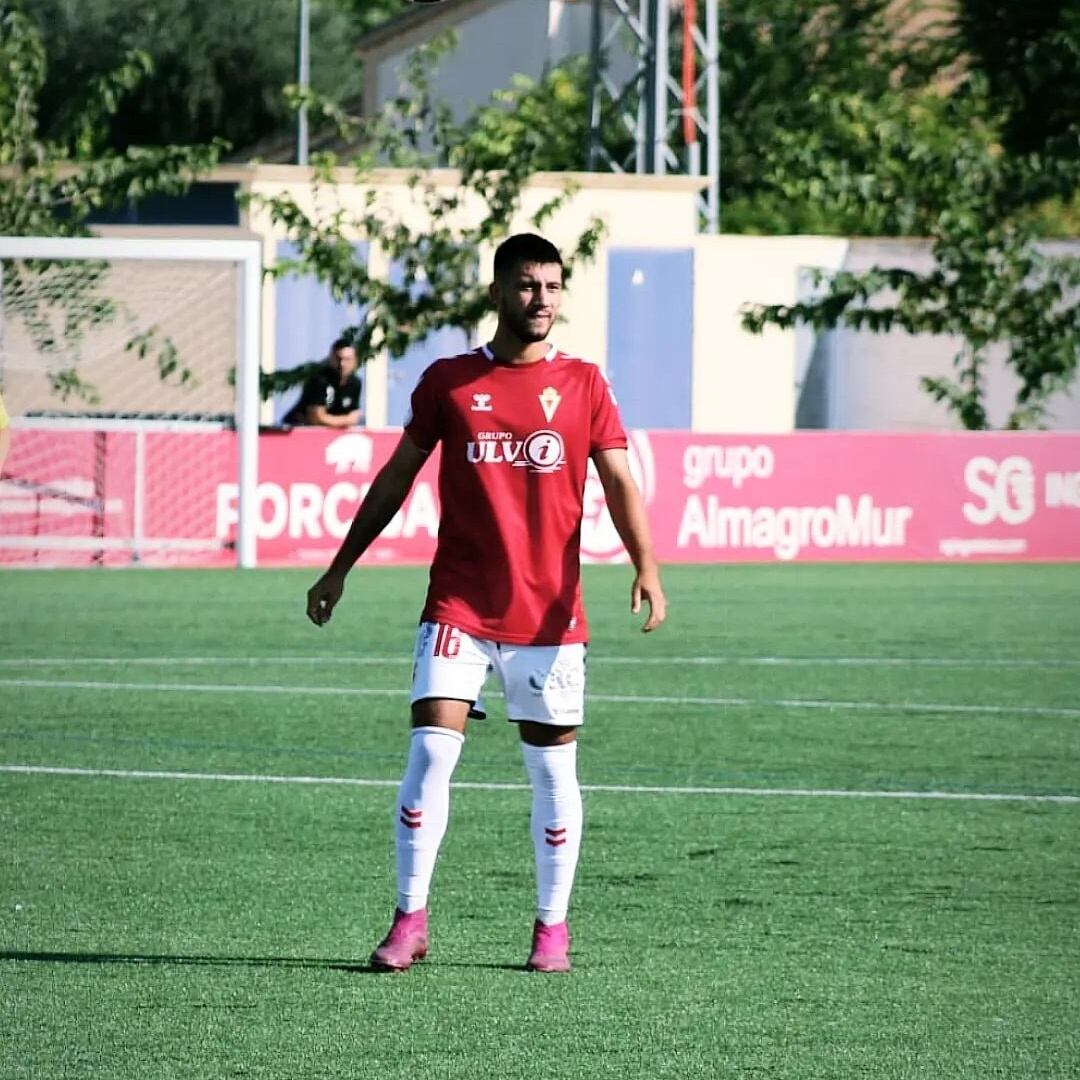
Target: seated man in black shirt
column 331, row 397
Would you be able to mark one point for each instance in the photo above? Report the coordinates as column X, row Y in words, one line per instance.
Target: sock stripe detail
column 411, row 819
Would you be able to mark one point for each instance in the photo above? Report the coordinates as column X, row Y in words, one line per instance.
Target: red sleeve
column 607, row 431
column 424, row 420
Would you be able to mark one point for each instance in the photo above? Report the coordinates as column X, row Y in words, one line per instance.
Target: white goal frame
column 247, row 254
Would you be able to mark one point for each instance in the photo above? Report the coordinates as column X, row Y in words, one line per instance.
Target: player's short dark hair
column 341, row 343
column 524, row 248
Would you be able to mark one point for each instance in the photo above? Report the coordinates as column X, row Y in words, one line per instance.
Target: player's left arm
column 628, row 515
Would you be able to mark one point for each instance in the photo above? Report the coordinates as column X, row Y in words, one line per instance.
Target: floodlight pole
column 592, row 138
column 647, row 102
column 660, row 25
column 303, row 77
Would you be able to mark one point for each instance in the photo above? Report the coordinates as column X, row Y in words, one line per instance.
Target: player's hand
column 323, row 596
column 647, row 587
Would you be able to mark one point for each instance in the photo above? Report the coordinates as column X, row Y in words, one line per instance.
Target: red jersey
column 516, row 441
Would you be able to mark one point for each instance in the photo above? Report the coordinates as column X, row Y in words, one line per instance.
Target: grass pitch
column 832, row 830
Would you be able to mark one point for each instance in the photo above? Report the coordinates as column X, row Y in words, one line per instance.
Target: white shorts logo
column 1006, row 488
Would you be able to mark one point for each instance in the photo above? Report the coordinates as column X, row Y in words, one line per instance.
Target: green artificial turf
column 216, row 927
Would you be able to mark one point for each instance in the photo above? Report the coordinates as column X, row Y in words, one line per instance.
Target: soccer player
column 518, row 421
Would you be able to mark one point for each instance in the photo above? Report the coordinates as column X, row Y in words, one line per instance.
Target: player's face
column 528, row 298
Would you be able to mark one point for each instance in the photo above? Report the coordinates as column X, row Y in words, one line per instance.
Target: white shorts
column 541, row 683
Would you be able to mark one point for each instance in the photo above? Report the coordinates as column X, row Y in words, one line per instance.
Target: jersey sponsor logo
column 481, row 403
column 543, row 451
column 549, row 402
column 540, row 452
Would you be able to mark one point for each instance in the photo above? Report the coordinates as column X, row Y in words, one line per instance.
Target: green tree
column 1030, row 57
column 932, row 164
column 370, row 14
column 775, row 54
column 776, row 57
column 440, row 282
column 50, row 185
column 217, row 68
column 548, row 118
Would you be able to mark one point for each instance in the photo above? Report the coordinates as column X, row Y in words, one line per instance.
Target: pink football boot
column 550, row 945
column 406, row 943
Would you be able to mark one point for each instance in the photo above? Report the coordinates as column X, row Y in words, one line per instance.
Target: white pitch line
column 601, row 660
column 470, row 785
column 625, row 699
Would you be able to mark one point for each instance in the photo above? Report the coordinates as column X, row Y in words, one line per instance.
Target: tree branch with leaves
column 938, row 170
column 466, row 182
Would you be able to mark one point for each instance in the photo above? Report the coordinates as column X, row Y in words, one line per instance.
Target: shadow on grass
column 141, row 959
column 351, row 967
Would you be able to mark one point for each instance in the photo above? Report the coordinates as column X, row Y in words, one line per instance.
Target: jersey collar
column 548, row 356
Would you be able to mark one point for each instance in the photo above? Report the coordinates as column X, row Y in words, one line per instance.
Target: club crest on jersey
column 549, row 402
column 481, row 403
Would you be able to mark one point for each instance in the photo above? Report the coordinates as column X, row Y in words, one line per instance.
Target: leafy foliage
column 369, row 14
column 48, row 187
column 1030, row 56
column 548, row 117
column 216, row 69
column 437, row 284
column 779, row 60
column 936, row 168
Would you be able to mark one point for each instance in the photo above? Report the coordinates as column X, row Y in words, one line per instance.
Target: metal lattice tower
column 660, row 112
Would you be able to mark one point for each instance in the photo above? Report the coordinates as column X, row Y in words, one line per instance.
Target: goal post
column 119, row 352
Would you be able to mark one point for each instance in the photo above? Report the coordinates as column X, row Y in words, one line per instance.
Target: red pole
column 689, row 73
column 100, row 454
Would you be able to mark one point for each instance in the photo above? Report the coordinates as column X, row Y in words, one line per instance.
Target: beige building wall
column 634, row 211
column 745, row 382
column 741, row 383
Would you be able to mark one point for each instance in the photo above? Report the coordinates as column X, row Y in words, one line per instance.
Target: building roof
column 423, row 21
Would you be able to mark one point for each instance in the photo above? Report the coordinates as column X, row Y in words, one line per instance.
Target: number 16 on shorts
column 447, row 642
column 447, row 663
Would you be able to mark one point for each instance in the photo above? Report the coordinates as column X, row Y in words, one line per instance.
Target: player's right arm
column 383, row 501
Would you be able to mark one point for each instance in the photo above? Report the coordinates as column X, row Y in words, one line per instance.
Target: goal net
column 129, row 368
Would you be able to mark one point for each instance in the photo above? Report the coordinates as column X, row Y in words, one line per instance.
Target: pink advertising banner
column 170, row 497
column 832, row 496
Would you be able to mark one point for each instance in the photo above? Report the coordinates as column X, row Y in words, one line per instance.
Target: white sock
column 556, row 825
column 423, row 810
